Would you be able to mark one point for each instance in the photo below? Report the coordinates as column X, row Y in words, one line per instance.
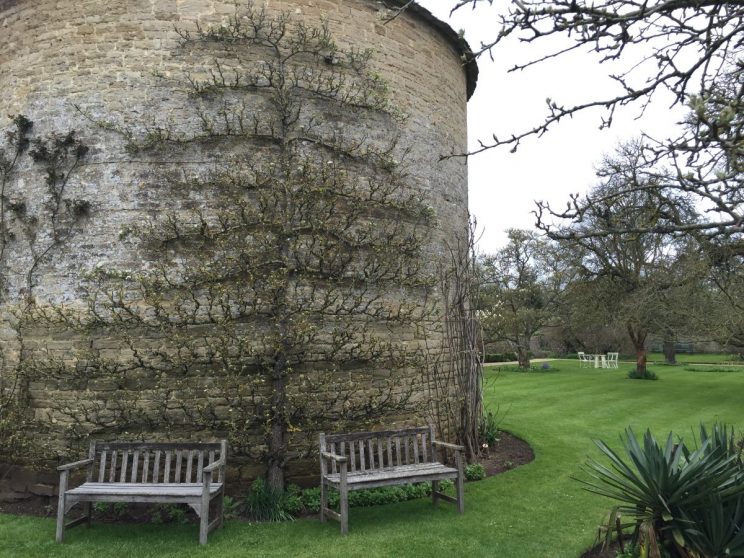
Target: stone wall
column 70, row 65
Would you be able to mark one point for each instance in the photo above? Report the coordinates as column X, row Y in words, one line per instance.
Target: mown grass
column 533, row 511
column 698, row 358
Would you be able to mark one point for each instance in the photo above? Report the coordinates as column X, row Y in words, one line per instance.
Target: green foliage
column 475, row 472
column 265, row 503
column 498, row 357
column 371, row 497
column 282, row 275
column 488, row 429
column 643, row 375
column 678, row 499
column 231, row 507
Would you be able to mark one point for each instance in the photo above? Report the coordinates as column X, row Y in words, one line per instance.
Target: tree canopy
column 690, row 48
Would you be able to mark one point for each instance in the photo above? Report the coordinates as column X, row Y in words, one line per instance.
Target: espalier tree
column 35, row 225
column 285, row 287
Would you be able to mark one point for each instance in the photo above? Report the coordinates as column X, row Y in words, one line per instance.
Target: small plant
column 265, row 503
column 120, row 508
column 176, row 514
column 645, row 375
column 475, row 472
column 231, row 507
column 488, row 428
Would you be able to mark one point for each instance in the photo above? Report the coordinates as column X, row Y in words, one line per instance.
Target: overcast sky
column 503, row 186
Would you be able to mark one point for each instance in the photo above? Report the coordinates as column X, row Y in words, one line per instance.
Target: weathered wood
column 102, row 467
column 355, row 436
column 166, row 471
column 153, row 446
column 333, row 514
column 112, row 475
column 61, row 504
column 177, row 477
column 156, row 467
column 199, row 466
column 75, row 465
column 76, row 522
column 446, row 497
column 189, row 459
column 124, row 462
column 123, row 485
column 411, row 457
column 135, row 465
column 323, row 471
column 146, row 467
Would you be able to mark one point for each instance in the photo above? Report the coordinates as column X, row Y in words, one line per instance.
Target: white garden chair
column 612, row 359
column 580, row 354
column 585, row 360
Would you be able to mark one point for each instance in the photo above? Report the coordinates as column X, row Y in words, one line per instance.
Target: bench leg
column 323, row 501
column 204, row 520
column 435, row 493
column 343, row 505
column 63, row 478
column 88, row 511
column 460, row 485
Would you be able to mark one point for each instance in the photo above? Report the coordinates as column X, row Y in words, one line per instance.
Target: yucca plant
column 670, row 492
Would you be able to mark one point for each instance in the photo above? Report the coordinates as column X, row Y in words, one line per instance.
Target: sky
column 503, row 187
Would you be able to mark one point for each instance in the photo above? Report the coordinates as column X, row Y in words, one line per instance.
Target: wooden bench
column 169, row 473
column 370, row 459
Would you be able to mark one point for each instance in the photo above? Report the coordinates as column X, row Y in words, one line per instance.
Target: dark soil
column 509, row 452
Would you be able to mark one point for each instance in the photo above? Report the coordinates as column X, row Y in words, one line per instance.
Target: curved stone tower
column 114, row 73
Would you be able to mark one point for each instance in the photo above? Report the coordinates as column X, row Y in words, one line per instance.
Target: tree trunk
column 523, row 357
column 670, row 351
column 638, row 337
column 640, row 359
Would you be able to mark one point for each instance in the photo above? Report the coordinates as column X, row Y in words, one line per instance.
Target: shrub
column 371, row 497
column 498, row 357
column 645, row 375
column 475, row 472
column 681, row 501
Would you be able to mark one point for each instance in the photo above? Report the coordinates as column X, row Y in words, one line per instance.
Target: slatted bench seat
column 150, row 473
column 361, row 460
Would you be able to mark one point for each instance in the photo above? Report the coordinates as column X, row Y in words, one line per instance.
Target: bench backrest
column 154, row 463
column 367, row 451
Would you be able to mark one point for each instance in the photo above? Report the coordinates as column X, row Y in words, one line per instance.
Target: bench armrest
column 447, row 445
column 75, row 465
column 336, row 458
column 214, row 466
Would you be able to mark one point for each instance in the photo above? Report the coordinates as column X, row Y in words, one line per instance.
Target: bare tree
column 690, row 48
column 627, row 267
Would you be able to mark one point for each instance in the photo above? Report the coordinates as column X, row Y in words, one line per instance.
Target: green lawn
column 705, row 358
column 534, row 511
